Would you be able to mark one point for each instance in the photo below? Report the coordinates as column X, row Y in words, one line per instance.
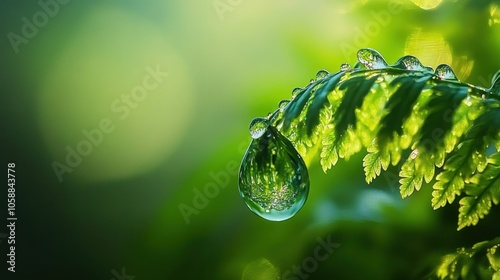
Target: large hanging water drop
column 371, row 59
column 445, row 72
column 258, row 126
column 273, row 179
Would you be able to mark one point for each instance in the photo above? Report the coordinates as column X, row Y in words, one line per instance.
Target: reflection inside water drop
column 321, row 74
column 345, row 67
column 257, row 127
column 445, row 72
column 273, row 178
column 371, row 59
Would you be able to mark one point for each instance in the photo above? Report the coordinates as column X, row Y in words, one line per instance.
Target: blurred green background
column 118, row 114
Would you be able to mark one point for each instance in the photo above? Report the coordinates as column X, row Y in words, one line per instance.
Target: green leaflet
column 482, row 191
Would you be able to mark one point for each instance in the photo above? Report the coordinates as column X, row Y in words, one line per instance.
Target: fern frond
column 444, row 130
column 439, row 126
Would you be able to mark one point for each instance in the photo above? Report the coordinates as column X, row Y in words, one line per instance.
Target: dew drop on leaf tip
column 273, row 178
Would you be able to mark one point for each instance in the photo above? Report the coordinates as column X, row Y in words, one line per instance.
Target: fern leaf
column 329, row 155
column 469, row 155
column 482, row 191
column 411, row 180
column 390, row 109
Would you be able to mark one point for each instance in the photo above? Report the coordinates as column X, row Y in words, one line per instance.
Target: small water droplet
column 296, row 91
column 345, row 67
column 445, row 72
column 410, row 62
column 321, row 74
column 283, row 103
column 273, row 178
column 371, row 59
column 258, row 127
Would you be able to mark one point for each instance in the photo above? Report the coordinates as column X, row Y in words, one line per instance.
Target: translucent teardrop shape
column 371, row 59
column 445, row 72
column 273, row 178
column 321, row 74
column 345, row 67
column 258, row 127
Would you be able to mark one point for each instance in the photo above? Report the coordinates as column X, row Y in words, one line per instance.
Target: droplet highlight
column 273, row 178
column 444, row 71
column 371, row 59
column 258, row 127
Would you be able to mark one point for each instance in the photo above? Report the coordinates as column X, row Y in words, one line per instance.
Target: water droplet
column 371, row 59
column 257, row 127
column 445, row 72
column 410, row 62
column 345, row 67
column 296, row 91
column 273, row 178
column 321, row 74
column 283, row 103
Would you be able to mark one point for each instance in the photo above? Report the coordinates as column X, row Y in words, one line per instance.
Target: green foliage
column 482, row 261
column 435, row 127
